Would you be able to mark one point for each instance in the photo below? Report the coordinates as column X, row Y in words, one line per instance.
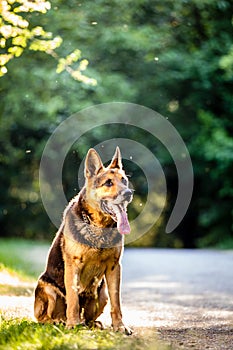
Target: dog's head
column 107, row 188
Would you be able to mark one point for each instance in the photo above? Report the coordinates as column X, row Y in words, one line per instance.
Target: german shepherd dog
column 84, row 257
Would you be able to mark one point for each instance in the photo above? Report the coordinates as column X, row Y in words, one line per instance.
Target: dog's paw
column 95, row 325
column 70, row 325
column 123, row 329
column 73, row 324
column 128, row 331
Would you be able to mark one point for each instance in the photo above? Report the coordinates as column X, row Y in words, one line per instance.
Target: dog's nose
column 128, row 195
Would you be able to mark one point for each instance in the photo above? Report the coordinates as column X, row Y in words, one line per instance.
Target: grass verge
column 26, row 258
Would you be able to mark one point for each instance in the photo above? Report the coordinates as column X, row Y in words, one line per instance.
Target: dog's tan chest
column 91, row 266
column 90, row 275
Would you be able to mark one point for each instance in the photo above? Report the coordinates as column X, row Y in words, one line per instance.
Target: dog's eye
column 108, row 183
column 124, row 181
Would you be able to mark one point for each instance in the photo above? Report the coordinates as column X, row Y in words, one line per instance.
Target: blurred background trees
column 172, row 56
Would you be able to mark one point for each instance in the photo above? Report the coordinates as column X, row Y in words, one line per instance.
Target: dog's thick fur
column 85, row 255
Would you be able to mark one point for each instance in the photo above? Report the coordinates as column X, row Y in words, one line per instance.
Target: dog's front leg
column 72, row 299
column 113, row 278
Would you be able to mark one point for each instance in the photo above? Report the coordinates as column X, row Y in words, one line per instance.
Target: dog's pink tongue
column 123, row 223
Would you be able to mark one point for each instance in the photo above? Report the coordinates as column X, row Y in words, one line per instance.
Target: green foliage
column 214, row 149
column 226, row 63
column 172, row 56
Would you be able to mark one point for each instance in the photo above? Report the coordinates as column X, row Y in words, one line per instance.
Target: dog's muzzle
column 117, row 208
column 128, row 195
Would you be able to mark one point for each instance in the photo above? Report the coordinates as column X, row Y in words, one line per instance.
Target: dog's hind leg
column 40, row 304
column 59, row 313
column 52, row 297
column 45, row 303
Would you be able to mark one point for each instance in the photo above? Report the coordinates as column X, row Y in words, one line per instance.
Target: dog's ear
column 116, row 160
column 93, row 163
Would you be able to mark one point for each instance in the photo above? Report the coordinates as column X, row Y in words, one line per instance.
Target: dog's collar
column 85, row 233
column 85, row 217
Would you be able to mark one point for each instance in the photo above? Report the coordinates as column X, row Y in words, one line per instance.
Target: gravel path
column 184, row 297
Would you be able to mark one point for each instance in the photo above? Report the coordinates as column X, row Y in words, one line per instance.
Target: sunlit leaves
column 45, row 45
column 76, row 73
column 15, row 29
column 18, row 34
column 15, row 50
column 19, row 40
column 4, row 59
column 71, row 58
column 31, row 6
column 226, row 63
